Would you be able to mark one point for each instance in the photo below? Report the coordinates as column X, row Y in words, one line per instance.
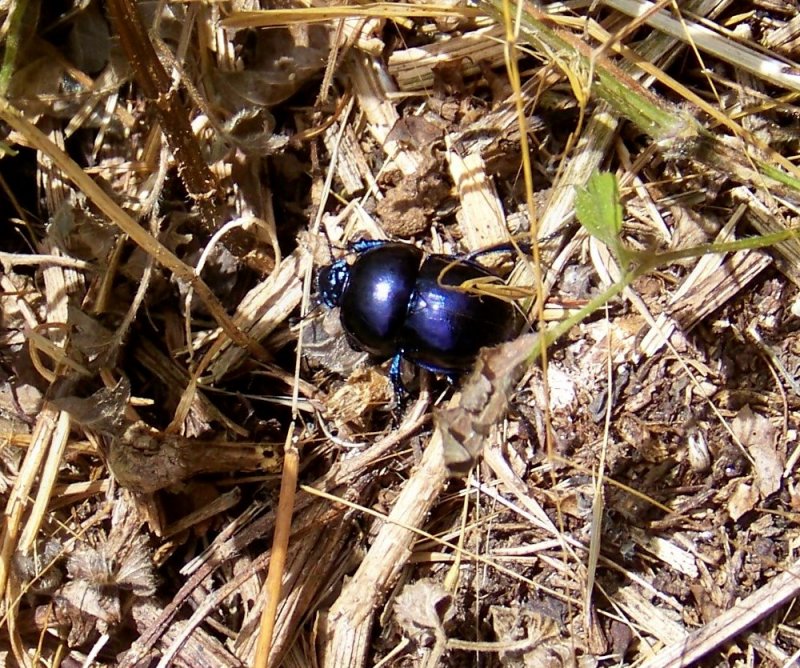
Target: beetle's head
column 332, row 282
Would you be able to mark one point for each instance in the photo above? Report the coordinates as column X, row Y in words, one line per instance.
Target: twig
column 780, row 590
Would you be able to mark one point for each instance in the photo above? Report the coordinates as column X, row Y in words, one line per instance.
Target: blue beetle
column 397, row 301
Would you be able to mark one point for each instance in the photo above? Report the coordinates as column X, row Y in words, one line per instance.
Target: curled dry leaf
column 103, row 411
column 145, row 460
column 84, row 607
column 280, row 61
column 742, row 500
column 423, row 610
column 515, row 625
column 759, row 437
column 484, row 402
column 124, row 567
column 324, row 342
column 38, row 569
column 697, row 451
column 99, row 573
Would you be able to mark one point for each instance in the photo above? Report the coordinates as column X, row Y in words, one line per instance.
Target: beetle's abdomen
column 375, row 303
column 445, row 328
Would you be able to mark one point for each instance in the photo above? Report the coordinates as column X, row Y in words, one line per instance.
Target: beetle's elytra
column 396, row 301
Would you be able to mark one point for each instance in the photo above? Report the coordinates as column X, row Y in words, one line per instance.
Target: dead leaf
column 515, row 624
column 484, row 402
column 423, row 610
column 100, row 570
column 758, row 436
column 145, row 460
column 742, row 500
column 103, row 411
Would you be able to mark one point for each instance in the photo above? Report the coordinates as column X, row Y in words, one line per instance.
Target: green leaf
column 599, row 210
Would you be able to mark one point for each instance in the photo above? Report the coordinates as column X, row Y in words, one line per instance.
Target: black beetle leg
column 394, row 375
column 451, row 377
column 362, row 245
column 505, row 247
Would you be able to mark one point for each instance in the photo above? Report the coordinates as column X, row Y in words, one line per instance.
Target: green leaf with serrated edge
column 598, row 209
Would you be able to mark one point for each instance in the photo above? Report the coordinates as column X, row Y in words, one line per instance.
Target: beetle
column 398, row 302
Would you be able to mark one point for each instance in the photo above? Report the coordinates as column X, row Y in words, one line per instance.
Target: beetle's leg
column 362, row 245
column 451, row 375
column 505, row 247
column 394, row 375
column 522, row 245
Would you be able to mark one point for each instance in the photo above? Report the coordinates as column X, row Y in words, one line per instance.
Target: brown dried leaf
column 743, row 499
column 84, row 598
column 103, row 411
column 416, row 132
column 423, row 610
column 280, row 61
column 759, row 437
column 515, row 625
column 324, row 342
column 38, row 569
column 145, row 460
column 116, row 563
column 82, row 609
column 484, row 402
column 100, row 571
